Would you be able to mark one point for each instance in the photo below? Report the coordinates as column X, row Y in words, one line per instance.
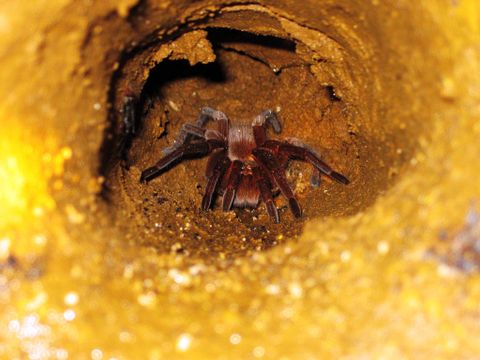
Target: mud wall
column 95, row 264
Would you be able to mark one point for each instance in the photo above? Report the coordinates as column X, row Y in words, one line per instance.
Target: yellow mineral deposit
column 95, row 265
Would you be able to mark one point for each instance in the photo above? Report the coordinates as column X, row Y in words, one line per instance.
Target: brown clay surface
column 166, row 213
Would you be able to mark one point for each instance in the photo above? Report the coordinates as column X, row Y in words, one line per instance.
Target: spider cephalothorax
column 244, row 166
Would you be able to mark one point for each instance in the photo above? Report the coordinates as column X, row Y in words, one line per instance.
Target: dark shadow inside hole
column 274, row 52
column 169, row 71
column 229, row 36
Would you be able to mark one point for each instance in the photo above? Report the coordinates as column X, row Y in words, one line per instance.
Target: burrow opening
column 250, row 72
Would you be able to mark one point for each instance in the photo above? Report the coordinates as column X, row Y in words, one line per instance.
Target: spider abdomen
column 247, row 194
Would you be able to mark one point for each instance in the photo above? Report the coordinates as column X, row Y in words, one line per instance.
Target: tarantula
column 244, row 166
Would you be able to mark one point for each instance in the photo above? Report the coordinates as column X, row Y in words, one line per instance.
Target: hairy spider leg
column 308, row 155
column 268, row 117
column 234, row 176
column 315, row 178
column 221, row 163
column 193, row 149
column 266, row 157
column 194, row 130
column 259, row 129
column 206, row 113
column 266, row 193
column 287, row 150
column 259, row 134
column 213, row 160
column 203, row 133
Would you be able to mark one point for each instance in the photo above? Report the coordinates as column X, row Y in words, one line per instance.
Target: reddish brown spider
column 244, row 165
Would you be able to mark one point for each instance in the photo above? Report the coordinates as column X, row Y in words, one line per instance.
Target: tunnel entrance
column 229, row 64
